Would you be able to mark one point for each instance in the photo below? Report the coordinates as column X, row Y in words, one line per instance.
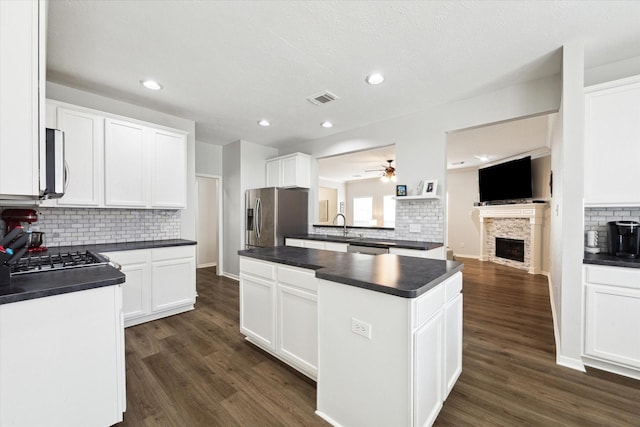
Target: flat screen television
column 506, row 181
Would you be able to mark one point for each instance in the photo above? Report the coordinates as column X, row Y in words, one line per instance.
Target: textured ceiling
column 227, row 64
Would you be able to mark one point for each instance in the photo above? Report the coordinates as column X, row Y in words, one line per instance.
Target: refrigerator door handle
column 258, row 218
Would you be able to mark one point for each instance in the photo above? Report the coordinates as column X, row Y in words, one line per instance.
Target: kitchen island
column 382, row 335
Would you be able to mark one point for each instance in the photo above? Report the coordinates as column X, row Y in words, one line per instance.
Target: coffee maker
column 14, row 218
column 624, row 239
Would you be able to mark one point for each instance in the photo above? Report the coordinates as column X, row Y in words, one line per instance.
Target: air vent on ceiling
column 322, row 98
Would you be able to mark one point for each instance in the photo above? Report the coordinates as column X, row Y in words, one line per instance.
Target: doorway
column 208, row 222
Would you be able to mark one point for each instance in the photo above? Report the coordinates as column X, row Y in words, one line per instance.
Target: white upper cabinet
column 126, row 164
column 169, row 169
column 290, row 171
column 612, row 143
column 118, row 162
column 21, row 75
column 83, row 139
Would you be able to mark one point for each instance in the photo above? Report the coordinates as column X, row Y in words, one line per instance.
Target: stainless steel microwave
column 54, row 174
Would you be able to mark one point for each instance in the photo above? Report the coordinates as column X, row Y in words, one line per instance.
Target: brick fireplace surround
column 517, row 221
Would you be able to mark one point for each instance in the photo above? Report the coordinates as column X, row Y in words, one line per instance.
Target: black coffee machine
column 624, row 238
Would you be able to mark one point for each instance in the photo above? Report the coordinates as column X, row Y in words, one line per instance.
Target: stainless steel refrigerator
column 272, row 213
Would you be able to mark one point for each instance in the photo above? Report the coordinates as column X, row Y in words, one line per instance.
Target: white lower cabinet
column 257, row 302
column 612, row 319
column 160, row 282
column 436, row 253
column 62, row 360
column 278, row 312
column 297, row 318
column 453, row 343
column 317, row 244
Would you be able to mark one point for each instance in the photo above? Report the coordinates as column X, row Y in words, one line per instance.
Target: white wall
column 613, row 71
column 208, row 159
column 567, row 210
column 420, row 138
column 233, row 207
column 463, row 224
column 102, row 103
column 330, row 195
column 208, row 201
column 243, row 168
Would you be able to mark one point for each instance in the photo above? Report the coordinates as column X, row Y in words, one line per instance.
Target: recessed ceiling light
column 151, row 84
column 264, row 122
column 326, row 124
column 375, row 79
column 482, row 158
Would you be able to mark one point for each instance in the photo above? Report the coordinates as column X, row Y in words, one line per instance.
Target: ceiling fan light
column 394, row 178
column 384, row 178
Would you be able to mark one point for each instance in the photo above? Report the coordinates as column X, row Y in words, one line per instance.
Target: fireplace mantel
column 534, row 212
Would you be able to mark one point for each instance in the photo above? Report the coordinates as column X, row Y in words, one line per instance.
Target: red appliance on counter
column 14, row 218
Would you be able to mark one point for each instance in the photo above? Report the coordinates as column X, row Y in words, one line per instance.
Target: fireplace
column 518, row 221
column 512, row 249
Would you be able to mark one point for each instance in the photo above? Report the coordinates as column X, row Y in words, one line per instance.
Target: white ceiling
column 227, row 64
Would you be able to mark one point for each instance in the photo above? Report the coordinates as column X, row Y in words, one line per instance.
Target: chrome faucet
column 344, row 223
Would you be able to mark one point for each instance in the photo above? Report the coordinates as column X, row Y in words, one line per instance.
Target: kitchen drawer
column 301, row 278
column 128, row 257
column 428, row 305
column 258, row 268
column 295, row 242
column 614, row 276
column 163, row 254
column 336, row 247
column 453, row 286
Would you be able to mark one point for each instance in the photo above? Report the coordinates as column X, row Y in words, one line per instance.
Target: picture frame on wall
column 429, row 188
column 401, row 190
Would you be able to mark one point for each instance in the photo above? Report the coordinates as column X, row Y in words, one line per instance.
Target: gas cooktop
column 73, row 259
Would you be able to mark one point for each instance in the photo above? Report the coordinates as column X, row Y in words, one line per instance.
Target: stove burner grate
column 35, row 263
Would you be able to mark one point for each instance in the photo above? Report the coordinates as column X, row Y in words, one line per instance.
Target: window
column 363, row 211
column 389, row 211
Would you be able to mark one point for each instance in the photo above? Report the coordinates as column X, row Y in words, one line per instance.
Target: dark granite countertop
column 610, row 260
column 376, row 243
column 47, row 283
column 122, row 246
column 406, row 277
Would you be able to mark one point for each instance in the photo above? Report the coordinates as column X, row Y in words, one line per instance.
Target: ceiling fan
column 388, row 173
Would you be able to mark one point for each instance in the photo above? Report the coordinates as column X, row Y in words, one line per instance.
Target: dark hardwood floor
column 195, row 369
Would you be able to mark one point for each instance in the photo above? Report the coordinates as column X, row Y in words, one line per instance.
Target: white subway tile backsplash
column 78, row 226
column 427, row 213
column 596, row 219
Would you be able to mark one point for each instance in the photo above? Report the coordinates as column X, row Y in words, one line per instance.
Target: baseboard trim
column 328, row 419
column 569, row 362
column 466, row 256
column 231, row 276
column 208, row 264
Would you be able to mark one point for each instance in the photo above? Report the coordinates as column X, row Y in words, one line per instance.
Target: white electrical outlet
column 414, row 228
column 361, row 328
